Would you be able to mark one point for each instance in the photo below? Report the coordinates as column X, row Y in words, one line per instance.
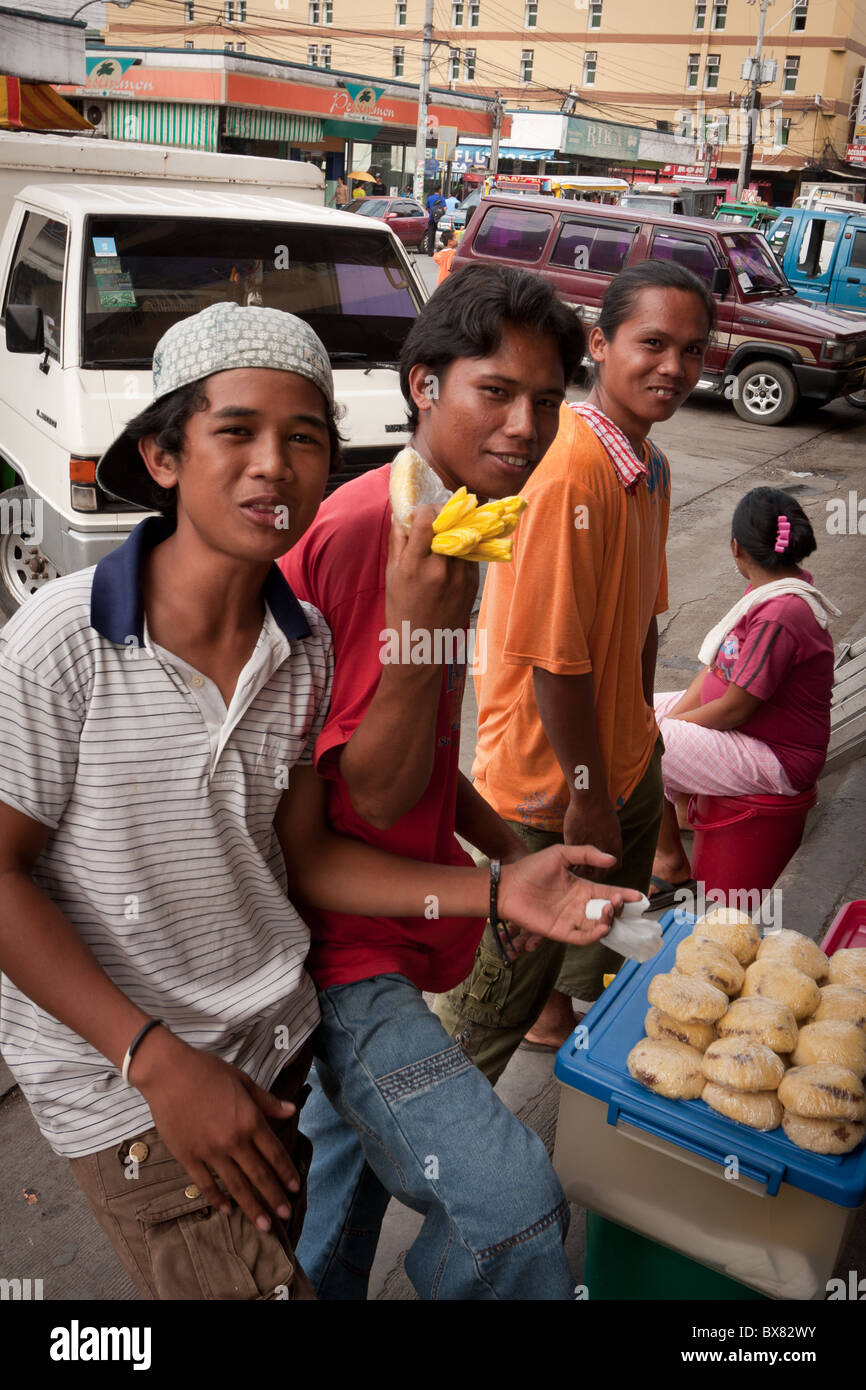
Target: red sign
column 695, row 172
column 856, row 154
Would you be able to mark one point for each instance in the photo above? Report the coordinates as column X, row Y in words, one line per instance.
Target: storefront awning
column 273, row 125
column 36, row 106
column 187, row 125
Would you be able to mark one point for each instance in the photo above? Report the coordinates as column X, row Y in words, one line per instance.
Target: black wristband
column 135, row 1044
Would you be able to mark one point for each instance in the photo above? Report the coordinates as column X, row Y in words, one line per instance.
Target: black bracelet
column 498, row 927
column 135, row 1044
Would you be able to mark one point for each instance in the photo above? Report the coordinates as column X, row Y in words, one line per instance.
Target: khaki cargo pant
column 172, row 1244
column 498, row 1003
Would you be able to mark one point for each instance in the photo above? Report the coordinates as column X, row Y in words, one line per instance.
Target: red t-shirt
column 339, row 565
column 779, row 653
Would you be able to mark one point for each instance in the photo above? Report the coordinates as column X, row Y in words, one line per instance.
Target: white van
column 92, row 275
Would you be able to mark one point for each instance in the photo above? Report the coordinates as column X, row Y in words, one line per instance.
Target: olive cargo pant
column 498, row 1003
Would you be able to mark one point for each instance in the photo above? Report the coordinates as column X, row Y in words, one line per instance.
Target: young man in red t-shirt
column 398, row 1108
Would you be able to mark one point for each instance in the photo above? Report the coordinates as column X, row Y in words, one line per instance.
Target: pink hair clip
column 783, row 535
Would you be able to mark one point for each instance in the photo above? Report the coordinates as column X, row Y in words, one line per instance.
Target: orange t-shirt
column 443, row 259
column 587, row 577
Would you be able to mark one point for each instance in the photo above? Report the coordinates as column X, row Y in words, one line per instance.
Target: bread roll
column 757, row 1109
column 743, row 1066
column 783, row 983
column 842, row 1001
column 412, row 484
column 661, row 1025
column 822, row 1091
column 687, row 999
column 832, row 1040
column 760, row 1020
column 709, row 960
column 793, row 948
column 822, row 1136
column 732, row 929
column 669, row 1068
column 848, row 967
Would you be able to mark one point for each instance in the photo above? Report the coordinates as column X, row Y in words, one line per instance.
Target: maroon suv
column 770, row 348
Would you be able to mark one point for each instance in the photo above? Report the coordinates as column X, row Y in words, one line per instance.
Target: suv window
column 778, row 238
column 691, row 251
column 369, row 207
column 347, row 284
column 37, row 273
column 588, row 246
column 514, row 234
column 858, row 251
column 816, row 247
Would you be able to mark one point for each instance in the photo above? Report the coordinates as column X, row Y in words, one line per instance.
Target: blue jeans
column 399, row 1110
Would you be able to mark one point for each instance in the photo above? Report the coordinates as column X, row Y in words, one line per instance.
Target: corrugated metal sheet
column 273, row 125
column 185, row 124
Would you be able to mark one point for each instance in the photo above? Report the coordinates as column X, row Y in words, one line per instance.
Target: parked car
column 770, row 348
column 822, row 250
column 406, row 218
column 684, row 200
column 757, row 215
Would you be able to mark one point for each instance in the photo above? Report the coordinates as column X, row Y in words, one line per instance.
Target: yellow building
column 677, row 65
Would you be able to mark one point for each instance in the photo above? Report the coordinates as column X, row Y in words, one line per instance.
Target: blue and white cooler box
column 751, row 1205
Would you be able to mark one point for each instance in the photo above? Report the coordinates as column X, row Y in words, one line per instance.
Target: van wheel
column 766, row 393
column 24, row 569
column 857, row 398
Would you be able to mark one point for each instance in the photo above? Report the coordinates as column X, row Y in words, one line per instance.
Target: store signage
column 108, row 69
column 361, row 101
column 856, row 154
column 601, row 138
column 697, row 172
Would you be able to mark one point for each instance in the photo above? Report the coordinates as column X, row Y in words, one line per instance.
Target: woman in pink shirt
column 756, row 719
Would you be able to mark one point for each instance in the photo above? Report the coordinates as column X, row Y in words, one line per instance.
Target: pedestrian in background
column 445, row 257
column 341, row 193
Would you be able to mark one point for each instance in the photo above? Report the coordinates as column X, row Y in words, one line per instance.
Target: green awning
column 185, row 124
column 352, row 130
column 273, row 125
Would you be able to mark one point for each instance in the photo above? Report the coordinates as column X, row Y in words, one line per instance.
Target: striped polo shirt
column 163, row 852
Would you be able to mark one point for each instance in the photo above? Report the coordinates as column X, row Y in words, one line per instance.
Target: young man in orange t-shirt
column 568, row 746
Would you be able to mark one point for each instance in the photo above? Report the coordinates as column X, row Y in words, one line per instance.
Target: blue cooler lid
column 594, row 1061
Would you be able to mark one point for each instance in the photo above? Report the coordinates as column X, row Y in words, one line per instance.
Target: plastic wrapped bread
column 793, row 948
column 784, row 983
column 414, row 484
column 823, row 1136
column 668, row 1068
column 732, row 929
column 757, row 1109
column 832, row 1040
column 686, row 998
column 822, row 1091
column 847, row 1002
column 742, row 1065
column 694, row 1034
column 709, row 960
column 848, row 967
column 760, row 1020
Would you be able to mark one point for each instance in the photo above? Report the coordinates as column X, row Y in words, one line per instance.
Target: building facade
column 677, row 66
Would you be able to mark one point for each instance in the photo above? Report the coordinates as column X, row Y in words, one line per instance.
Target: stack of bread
column 767, row 1032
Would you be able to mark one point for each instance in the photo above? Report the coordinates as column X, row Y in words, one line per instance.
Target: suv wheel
column 766, row 393
column 23, row 567
column 857, row 398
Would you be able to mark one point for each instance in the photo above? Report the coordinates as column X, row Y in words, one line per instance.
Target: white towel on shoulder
column 818, row 602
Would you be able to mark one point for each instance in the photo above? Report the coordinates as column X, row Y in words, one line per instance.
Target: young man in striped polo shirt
column 157, row 720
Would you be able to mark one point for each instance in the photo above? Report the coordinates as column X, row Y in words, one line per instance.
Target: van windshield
column 753, row 263
column 143, row 275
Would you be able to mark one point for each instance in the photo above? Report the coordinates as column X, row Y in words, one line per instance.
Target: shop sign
column 698, row 172
column 360, row 101
column 601, row 138
column 856, row 154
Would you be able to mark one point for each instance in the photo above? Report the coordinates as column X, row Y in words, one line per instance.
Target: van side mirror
column 25, row 328
column 721, row 280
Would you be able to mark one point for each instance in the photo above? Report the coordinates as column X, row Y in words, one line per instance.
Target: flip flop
column 538, row 1047
column 666, row 894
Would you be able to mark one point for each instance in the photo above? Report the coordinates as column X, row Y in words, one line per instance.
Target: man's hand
column 542, row 895
column 214, row 1120
column 429, row 591
column 593, row 822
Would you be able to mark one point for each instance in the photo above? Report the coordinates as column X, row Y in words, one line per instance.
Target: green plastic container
column 621, row 1265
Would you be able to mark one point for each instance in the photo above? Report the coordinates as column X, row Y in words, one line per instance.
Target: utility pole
column 494, row 138
column 423, row 98
column 753, row 105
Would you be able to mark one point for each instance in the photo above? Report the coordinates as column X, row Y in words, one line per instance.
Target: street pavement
column 46, row 1230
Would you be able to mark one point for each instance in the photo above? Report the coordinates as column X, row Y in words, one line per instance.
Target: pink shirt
column 339, row 565
column 779, row 653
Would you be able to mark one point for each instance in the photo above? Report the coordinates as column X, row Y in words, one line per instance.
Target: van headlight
column 838, row 349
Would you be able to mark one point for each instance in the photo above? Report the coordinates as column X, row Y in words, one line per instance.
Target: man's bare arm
column 481, row 827
column 648, row 659
column 566, row 705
